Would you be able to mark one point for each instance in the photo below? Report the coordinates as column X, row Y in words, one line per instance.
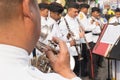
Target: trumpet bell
column 45, row 31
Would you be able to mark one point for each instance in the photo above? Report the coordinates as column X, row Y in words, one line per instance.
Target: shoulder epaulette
column 81, row 16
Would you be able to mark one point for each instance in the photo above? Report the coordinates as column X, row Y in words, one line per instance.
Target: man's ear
column 27, row 9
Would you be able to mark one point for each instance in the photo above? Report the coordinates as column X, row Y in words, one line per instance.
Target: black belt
column 87, row 32
column 96, row 34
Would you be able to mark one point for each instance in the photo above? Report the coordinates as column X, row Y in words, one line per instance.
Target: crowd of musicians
column 80, row 31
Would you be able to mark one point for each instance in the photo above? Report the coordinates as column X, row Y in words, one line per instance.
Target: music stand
column 108, row 43
column 115, row 54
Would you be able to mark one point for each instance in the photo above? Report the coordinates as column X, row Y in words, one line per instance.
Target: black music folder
column 115, row 52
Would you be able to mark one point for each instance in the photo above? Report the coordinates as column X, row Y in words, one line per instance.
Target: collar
column 83, row 13
column 52, row 20
column 11, row 54
column 45, row 18
column 92, row 17
column 70, row 18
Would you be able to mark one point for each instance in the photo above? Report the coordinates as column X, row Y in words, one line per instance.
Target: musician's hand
column 92, row 21
column 68, row 36
column 97, row 24
column 72, row 43
column 61, row 62
column 82, row 34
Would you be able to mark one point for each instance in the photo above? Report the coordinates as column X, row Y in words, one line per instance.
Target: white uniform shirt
column 55, row 31
column 97, row 30
column 15, row 65
column 51, row 21
column 74, row 27
column 86, row 25
column 43, row 21
column 113, row 20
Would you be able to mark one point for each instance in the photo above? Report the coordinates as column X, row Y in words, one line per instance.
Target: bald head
column 9, row 9
column 19, row 23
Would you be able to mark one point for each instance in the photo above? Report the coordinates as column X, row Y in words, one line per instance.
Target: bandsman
column 94, row 20
column 70, row 29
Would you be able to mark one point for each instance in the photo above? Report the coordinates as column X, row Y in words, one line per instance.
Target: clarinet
column 81, row 30
column 72, row 37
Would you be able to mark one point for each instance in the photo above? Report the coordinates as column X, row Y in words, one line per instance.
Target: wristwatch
column 75, row 78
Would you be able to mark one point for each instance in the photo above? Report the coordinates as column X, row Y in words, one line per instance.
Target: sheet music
column 111, row 34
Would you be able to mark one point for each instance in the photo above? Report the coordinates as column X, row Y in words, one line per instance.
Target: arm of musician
column 97, row 30
column 61, row 62
column 87, row 25
column 82, row 34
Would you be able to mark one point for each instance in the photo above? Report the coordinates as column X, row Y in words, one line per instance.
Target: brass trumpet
column 42, row 62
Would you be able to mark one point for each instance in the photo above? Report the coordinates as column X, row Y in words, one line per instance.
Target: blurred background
column 113, row 4
column 107, row 7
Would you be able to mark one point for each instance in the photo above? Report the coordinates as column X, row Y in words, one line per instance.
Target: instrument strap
column 67, row 25
column 68, row 28
column 80, row 28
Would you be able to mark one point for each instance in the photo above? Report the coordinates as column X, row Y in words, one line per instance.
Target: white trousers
column 117, row 69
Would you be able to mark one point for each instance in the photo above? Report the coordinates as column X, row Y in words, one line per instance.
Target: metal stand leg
column 115, row 70
column 109, row 78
